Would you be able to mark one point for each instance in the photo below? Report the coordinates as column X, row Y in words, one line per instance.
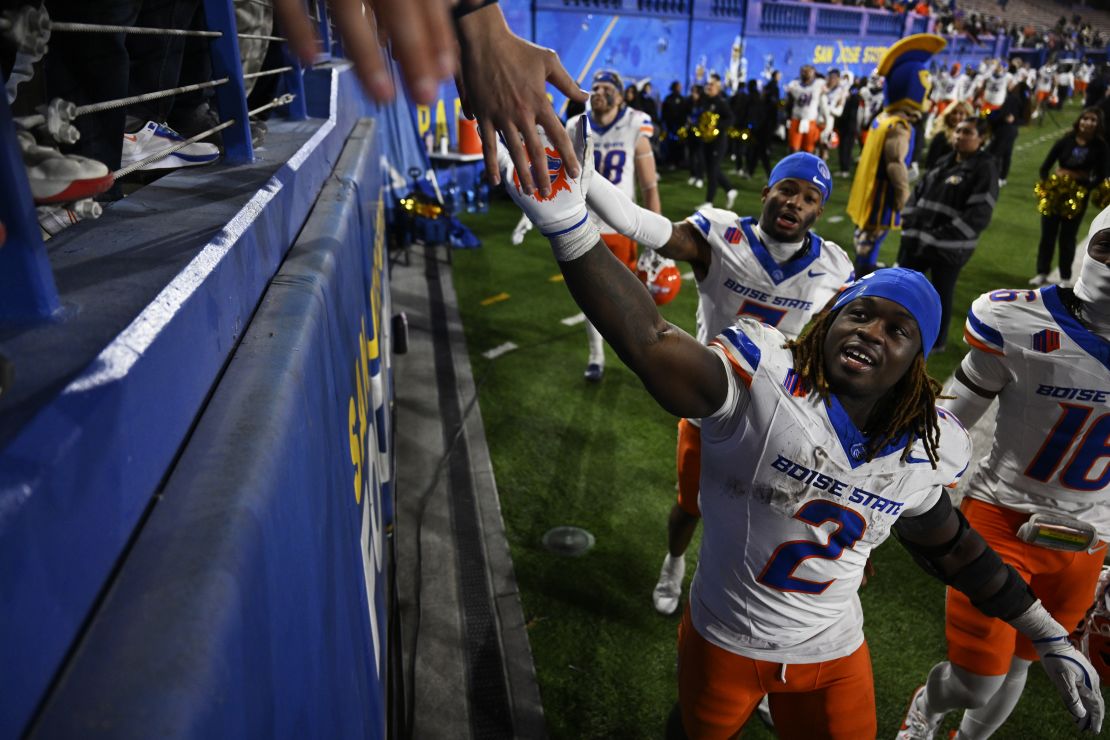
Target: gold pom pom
column 1100, row 196
column 707, row 129
column 1060, row 195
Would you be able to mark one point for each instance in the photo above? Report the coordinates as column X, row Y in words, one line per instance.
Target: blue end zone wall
column 253, row 602
column 240, row 606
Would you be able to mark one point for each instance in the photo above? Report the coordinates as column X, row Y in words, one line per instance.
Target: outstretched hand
column 502, row 84
column 418, row 31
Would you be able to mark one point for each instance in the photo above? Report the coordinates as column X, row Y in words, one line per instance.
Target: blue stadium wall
column 249, row 597
column 684, row 40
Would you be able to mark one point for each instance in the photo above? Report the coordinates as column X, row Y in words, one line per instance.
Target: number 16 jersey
column 1051, row 450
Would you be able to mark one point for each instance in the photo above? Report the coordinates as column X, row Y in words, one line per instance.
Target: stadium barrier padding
column 252, row 602
column 158, row 296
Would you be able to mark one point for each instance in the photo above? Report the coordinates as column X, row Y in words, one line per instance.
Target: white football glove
column 561, row 216
column 1069, row 670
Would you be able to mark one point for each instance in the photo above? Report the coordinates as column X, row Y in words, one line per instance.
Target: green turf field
column 602, row 457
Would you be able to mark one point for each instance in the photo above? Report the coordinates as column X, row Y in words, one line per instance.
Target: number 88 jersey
column 615, row 150
column 1051, row 450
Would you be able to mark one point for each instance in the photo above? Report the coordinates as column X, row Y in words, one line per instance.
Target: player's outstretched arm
column 685, row 377
column 943, row 543
column 679, row 241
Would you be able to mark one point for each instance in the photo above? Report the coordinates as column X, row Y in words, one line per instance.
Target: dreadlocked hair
column 908, row 407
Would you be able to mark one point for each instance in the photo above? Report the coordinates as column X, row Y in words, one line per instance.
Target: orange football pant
column 718, row 690
column 1063, row 581
column 688, row 463
column 623, row 247
column 796, row 141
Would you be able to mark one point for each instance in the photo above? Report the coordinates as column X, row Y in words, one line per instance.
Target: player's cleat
column 731, row 198
column 1038, row 280
column 919, row 725
column 593, row 373
column 668, row 590
column 1001, row 182
column 691, row 181
column 154, row 137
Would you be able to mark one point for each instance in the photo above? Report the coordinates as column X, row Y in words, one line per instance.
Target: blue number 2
column 778, row 573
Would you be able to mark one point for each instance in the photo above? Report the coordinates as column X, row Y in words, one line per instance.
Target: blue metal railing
column 783, row 18
column 28, row 292
column 838, row 22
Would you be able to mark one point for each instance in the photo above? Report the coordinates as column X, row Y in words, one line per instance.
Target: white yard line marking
column 577, row 318
column 499, row 350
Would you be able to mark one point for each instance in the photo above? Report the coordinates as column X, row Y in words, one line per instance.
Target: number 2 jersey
column 792, row 510
column 745, row 280
column 615, row 150
column 1051, row 450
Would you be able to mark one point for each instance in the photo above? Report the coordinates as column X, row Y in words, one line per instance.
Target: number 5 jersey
column 792, row 509
column 1051, row 450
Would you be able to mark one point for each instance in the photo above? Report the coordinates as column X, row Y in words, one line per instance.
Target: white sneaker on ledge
column 154, row 137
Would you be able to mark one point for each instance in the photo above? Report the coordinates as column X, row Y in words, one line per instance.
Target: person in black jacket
column 947, row 211
column 1082, row 156
column 714, row 145
column 763, row 111
column 1004, row 131
column 674, row 118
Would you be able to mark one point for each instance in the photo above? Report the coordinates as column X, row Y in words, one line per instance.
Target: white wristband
column 575, row 241
column 1037, row 624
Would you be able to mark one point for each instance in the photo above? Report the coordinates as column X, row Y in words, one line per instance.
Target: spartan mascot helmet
column 1093, row 636
column 906, row 69
column 660, row 275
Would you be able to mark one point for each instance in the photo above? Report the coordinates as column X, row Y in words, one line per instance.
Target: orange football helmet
column 659, row 275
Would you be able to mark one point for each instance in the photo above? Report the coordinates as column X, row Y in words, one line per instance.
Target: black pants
column 1053, row 228
column 943, row 268
column 714, row 153
column 1002, row 147
column 759, row 152
column 847, row 150
column 91, row 68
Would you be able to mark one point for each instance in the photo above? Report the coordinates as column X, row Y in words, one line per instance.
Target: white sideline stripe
column 490, row 354
column 116, row 360
column 577, row 318
column 688, row 275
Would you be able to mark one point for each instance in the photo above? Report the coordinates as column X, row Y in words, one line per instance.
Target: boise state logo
column 556, row 173
column 823, row 170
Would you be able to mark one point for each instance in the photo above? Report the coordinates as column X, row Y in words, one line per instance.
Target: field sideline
column 601, row 457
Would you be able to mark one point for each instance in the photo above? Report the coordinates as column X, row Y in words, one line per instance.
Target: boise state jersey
column 745, row 280
column 615, row 151
column 945, row 87
column 792, row 509
column 1051, row 450
column 995, row 88
column 807, row 98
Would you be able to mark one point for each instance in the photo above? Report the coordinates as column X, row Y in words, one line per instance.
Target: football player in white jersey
column 836, row 96
column 1042, row 496
column 774, row 269
column 1044, row 92
column 806, row 103
column 623, row 156
column 813, row 451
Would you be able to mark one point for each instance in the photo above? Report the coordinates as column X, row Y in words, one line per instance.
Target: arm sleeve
column 614, row 208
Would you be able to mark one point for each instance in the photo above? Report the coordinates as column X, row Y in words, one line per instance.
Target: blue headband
column 610, row 76
column 806, row 167
column 908, row 288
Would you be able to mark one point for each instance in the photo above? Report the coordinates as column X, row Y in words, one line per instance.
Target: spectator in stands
column 1081, row 159
column 941, row 143
column 714, row 121
column 950, row 206
column 646, row 101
